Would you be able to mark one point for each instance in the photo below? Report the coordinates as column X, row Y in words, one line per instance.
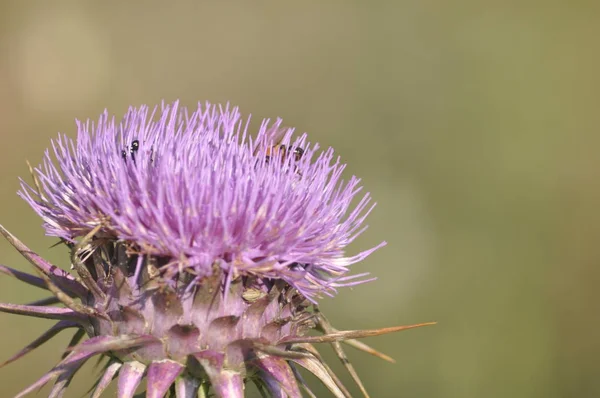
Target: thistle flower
column 199, row 254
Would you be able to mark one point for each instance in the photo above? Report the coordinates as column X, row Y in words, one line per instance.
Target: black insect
column 297, row 152
column 135, row 146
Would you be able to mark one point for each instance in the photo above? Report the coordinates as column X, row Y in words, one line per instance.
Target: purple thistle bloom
column 196, row 189
column 200, row 253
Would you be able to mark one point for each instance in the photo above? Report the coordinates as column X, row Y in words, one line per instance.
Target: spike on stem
column 351, row 334
column 47, row 335
column 62, row 278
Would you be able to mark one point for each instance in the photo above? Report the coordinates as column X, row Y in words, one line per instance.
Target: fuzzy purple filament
column 198, row 189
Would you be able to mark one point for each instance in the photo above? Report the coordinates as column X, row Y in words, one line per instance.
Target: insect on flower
column 201, row 269
column 288, row 154
column 135, row 146
column 296, row 152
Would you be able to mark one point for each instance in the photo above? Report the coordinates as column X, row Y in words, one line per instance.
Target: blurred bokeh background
column 473, row 124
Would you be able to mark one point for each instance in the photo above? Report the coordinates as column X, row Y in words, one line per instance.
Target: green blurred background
column 473, row 124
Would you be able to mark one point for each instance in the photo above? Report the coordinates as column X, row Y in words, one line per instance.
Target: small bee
column 297, row 152
column 276, row 135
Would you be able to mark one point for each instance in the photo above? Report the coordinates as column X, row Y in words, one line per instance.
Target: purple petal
column 106, row 378
column 40, row 382
column 223, row 330
column 63, row 381
column 73, row 342
column 24, row 277
column 316, row 367
column 68, row 301
column 44, row 302
column 70, row 363
column 301, row 381
column 227, row 384
column 211, row 359
column 199, row 190
column 62, row 278
column 341, row 335
column 47, row 335
column 186, row 387
column 160, row 377
column 130, row 377
column 278, row 377
column 88, row 348
column 44, row 312
column 116, row 343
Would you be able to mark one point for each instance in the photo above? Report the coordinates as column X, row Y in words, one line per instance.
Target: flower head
column 200, row 252
column 197, row 189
